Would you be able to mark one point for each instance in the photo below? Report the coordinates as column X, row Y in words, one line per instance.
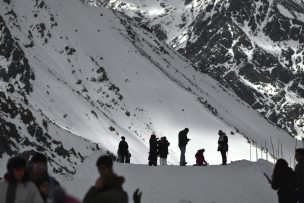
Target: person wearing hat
column 123, row 150
column 223, row 146
column 16, row 187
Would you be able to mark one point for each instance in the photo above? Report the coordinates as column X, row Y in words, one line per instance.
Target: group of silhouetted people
column 289, row 183
column 28, row 181
column 159, row 148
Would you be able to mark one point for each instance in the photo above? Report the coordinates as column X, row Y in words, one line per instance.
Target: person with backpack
column 182, row 143
column 123, row 150
column 153, row 150
column 163, row 151
column 38, row 170
column 284, row 180
column 223, row 146
column 16, row 187
column 200, row 158
column 299, row 170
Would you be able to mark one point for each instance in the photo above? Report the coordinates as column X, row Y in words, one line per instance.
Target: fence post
column 256, row 152
column 266, row 150
column 250, row 150
column 278, row 148
column 282, row 150
column 272, row 149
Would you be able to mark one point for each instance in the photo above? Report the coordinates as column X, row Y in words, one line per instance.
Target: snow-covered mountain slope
column 241, row 181
column 252, row 47
column 24, row 128
column 93, row 73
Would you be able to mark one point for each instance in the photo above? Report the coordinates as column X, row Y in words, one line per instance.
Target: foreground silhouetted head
column 38, row 165
column 299, row 155
column 39, row 158
column 16, row 170
column 105, row 165
column 280, row 168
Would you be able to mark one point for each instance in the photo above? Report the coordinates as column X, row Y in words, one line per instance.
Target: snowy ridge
column 239, row 181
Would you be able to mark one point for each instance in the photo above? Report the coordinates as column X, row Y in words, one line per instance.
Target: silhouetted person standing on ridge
column 123, row 150
column 153, row 150
column 284, row 180
column 163, row 151
column 223, row 146
column 182, row 143
column 299, row 171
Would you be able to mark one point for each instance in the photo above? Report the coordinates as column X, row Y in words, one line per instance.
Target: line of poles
column 273, row 155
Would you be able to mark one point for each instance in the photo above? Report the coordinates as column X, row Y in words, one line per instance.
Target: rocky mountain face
column 255, row 47
column 23, row 133
column 25, row 129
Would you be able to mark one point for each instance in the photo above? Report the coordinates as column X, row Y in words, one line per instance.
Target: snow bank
column 238, row 182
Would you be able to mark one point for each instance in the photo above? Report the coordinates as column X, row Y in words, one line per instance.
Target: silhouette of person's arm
column 205, row 162
column 137, row 196
column 268, row 179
